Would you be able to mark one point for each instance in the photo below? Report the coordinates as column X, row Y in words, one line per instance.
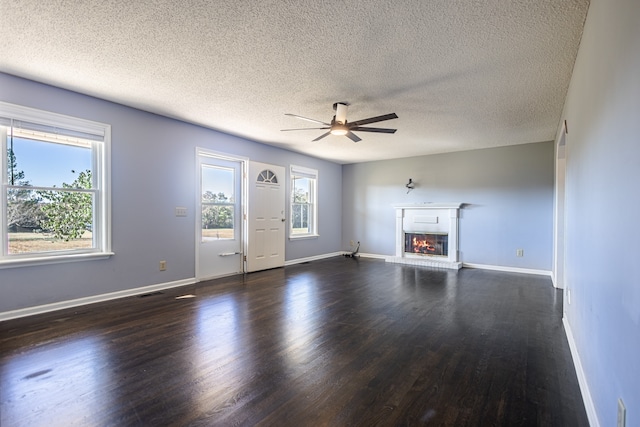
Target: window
column 304, row 202
column 55, row 203
column 267, row 176
column 218, row 202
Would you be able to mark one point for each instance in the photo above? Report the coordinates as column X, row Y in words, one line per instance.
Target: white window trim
column 103, row 202
column 308, row 173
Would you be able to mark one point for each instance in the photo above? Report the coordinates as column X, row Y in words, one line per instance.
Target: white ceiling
column 460, row 74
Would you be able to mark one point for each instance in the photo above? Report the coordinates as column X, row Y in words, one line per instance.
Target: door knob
column 283, row 220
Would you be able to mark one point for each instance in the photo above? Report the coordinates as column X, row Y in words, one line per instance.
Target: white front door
column 219, row 216
column 267, row 218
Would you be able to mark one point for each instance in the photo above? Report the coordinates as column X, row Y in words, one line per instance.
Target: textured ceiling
column 460, row 74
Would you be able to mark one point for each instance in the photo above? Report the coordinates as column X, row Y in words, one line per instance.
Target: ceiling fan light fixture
column 339, row 129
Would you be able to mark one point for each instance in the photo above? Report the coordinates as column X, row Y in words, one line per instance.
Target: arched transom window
column 268, row 177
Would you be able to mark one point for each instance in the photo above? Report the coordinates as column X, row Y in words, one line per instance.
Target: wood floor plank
column 335, row 342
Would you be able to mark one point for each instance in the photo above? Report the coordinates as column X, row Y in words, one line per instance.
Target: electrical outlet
column 519, row 252
column 163, row 265
column 622, row 414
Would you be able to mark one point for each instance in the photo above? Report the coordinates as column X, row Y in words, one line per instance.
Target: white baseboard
column 554, row 280
column 473, row 265
column 375, row 256
column 582, row 378
column 507, row 269
column 46, row 308
column 312, row 258
column 30, row 311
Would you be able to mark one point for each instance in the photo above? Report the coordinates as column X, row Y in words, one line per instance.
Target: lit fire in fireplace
column 426, row 244
column 422, row 245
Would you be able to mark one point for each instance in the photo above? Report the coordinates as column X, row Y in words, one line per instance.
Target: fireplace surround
column 427, row 234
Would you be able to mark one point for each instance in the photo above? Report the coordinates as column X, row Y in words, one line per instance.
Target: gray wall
column 602, row 204
column 153, row 171
column 508, row 192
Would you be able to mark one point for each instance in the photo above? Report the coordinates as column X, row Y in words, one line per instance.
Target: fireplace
column 434, row 244
column 427, row 235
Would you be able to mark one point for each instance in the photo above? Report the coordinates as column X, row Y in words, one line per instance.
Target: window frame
column 101, row 171
column 312, row 175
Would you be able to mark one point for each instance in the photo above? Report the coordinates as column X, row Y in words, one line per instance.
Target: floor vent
column 150, row 294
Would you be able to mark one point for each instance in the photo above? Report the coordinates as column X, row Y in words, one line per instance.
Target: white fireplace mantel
column 429, row 205
column 427, row 218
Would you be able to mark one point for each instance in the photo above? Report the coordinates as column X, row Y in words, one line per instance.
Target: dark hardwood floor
column 335, row 342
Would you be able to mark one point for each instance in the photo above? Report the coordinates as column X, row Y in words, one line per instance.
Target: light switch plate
column 181, row 211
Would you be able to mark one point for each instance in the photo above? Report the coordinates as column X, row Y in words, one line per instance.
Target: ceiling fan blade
column 352, row 136
column 307, row 119
column 374, row 119
column 321, row 136
column 379, row 130
column 286, row 130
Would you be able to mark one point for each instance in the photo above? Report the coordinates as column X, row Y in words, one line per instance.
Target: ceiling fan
column 340, row 126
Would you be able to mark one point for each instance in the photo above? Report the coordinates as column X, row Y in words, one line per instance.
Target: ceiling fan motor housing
column 341, row 112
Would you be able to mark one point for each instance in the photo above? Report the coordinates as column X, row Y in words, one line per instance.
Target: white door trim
column 559, row 225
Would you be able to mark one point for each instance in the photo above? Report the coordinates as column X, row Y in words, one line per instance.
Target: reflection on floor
column 334, row 342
